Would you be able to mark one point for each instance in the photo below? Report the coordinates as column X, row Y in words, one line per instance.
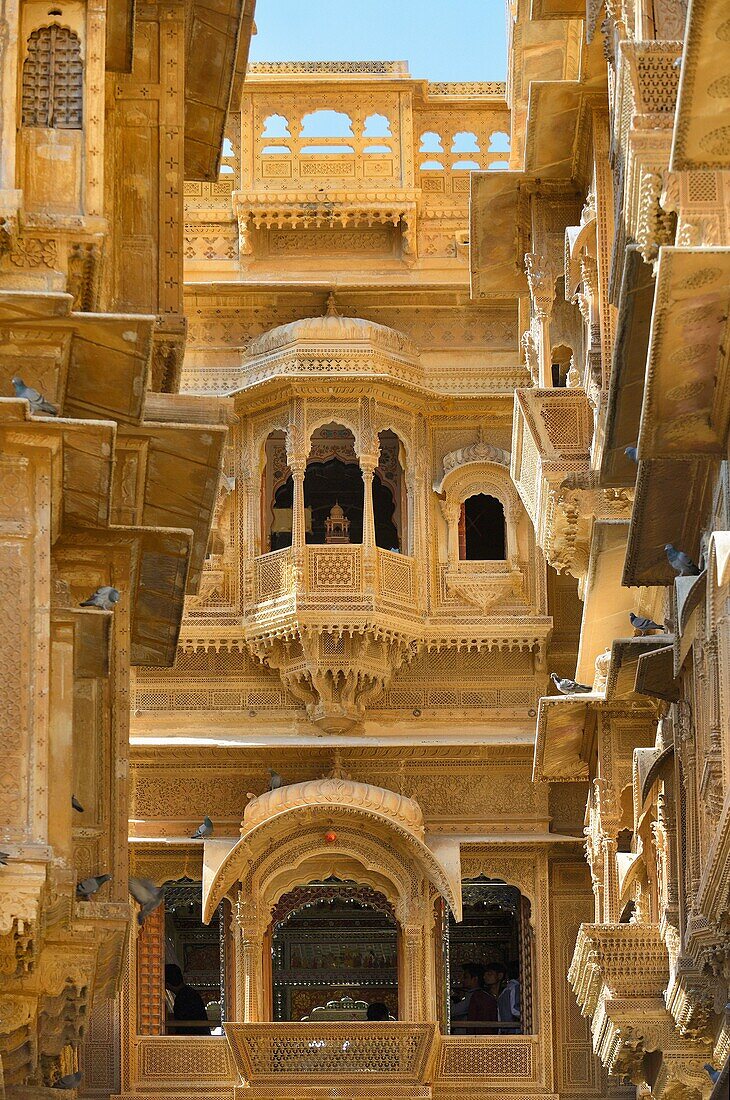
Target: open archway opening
column 482, row 531
column 334, row 953
column 488, row 982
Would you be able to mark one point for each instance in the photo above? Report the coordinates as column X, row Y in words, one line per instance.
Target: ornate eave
column 667, row 508
column 565, row 731
column 623, row 669
column 700, row 139
column 91, row 365
column 686, row 407
column 606, row 605
column 628, row 370
column 216, row 34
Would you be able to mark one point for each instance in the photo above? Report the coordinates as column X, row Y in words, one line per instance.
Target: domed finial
column 331, row 310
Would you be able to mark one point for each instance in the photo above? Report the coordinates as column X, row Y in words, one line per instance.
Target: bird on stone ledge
column 680, row 562
column 569, row 687
column 644, row 626
column 105, row 598
column 38, row 404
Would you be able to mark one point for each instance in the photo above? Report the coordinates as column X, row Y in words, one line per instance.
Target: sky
column 440, row 39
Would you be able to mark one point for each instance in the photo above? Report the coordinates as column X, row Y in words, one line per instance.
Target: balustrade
column 332, row 573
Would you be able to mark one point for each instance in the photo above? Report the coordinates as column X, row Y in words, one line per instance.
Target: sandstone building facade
column 345, row 366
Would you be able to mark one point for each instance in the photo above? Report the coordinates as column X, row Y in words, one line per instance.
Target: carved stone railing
column 273, row 577
column 167, row 1064
column 378, row 1057
column 331, row 573
column 493, row 1059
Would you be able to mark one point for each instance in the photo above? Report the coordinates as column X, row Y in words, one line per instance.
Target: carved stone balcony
column 551, row 440
column 335, row 622
column 332, row 1059
column 619, row 974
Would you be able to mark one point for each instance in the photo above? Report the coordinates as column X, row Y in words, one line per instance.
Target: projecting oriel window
column 53, row 80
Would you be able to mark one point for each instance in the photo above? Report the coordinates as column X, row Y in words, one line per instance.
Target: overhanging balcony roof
column 628, row 371
column 565, row 732
column 668, row 505
column 686, row 408
column 626, row 656
column 700, row 129
column 606, row 603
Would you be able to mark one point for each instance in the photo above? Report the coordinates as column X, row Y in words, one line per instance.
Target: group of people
column 490, row 997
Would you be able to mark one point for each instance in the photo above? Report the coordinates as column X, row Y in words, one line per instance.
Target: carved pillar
column 251, row 974
column 610, row 881
column 413, row 961
column 368, row 464
column 541, row 281
column 298, row 470
column 452, row 514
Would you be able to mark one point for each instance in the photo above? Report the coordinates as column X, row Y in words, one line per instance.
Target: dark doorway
column 484, row 529
column 495, row 932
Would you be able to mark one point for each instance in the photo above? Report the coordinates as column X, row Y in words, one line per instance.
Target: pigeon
column 4, row 857
column 680, row 562
column 569, row 687
column 37, row 401
column 631, row 453
column 70, row 1081
column 205, row 829
column 712, row 1073
column 275, row 781
column 76, row 804
column 643, row 626
column 146, row 894
column 105, row 598
column 88, row 886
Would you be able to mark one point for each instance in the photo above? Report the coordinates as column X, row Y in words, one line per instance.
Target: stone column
column 610, row 881
column 250, row 974
column 541, row 280
column 298, row 540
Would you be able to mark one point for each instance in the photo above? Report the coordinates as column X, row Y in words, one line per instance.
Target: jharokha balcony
column 299, row 600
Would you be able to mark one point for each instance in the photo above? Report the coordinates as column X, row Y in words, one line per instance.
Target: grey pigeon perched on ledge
column 147, row 894
column 680, row 562
column 69, row 1081
column 38, row 404
column 275, row 780
column 569, row 687
column 88, row 886
column 105, row 598
column 712, row 1073
column 204, row 829
column 643, row 626
column 631, row 453
column 76, row 804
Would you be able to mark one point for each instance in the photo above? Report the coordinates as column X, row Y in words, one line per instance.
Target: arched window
column 430, row 143
column 465, row 142
column 389, row 505
column 499, row 142
column 482, row 529
column 561, row 358
column 326, row 123
column 53, row 80
column 275, row 126
column 377, row 126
